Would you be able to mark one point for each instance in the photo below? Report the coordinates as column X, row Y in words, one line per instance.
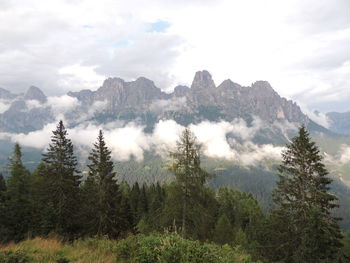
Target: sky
column 301, row 47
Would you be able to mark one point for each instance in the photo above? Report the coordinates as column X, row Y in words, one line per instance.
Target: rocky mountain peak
column 262, row 85
column 202, row 80
column 6, row 95
column 229, row 84
column 113, row 83
column 34, row 93
column 84, row 95
column 180, row 90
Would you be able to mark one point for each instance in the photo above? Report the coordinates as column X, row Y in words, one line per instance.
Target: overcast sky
column 301, row 47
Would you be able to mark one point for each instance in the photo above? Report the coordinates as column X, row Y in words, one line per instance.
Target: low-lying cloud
column 130, row 140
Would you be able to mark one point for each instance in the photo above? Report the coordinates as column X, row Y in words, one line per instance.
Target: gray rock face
column 137, row 100
column 18, row 118
column 202, row 80
column 120, row 94
column 6, row 95
column 180, row 91
column 86, row 95
column 34, row 93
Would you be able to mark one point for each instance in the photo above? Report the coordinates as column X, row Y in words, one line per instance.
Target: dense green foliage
column 188, row 197
column 17, row 206
column 168, row 247
column 55, row 200
column 302, row 226
column 62, row 182
column 172, row 247
column 103, row 211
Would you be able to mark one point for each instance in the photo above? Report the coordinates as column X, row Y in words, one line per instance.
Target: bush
column 13, row 257
column 171, row 248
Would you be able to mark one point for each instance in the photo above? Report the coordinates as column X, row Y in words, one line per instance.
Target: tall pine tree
column 190, row 179
column 62, row 182
column 18, row 204
column 3, row 229
column 102, row 194
column 303, row 228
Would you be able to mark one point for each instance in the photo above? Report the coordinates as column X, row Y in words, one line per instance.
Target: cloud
column 344, row 154
column 253, row 154
column 130, row 141
column 213, row 137
column 32, row 104
column 319, row 117
column 301, row 47
column 4, row 106
column 165, row 135
column 341, row 157
column 241, row 129
column 174, row 104
column 62, row 104
column 36, row 139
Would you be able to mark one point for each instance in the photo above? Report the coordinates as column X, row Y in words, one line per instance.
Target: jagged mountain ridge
column 141, row 100
column 227, row 101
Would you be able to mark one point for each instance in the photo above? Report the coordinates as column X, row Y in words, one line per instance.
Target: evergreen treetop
column 304, row 205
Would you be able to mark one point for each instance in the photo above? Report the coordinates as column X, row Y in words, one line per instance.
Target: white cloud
column 31, row 104
column 301, row 47
column 254, row 154
column 344, row 154
column 36, row 139
column 213, row 138
column 318, row 117
column 165, row 135
column 174, row 104
column 130, row 140
column 4, row 106
column 62, row 104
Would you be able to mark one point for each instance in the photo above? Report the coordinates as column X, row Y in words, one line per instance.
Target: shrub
column 13, row 257
column 171, row 248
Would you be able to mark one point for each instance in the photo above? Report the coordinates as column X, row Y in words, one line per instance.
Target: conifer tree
column 2, row 186
column 223, row 232
column 62, row 182
column 18, row 204
column 108, row 217
column 142, row 207
column 134, row 202
column 190, row 177
column 3, row 229
column 156, row 203
column 303, row 227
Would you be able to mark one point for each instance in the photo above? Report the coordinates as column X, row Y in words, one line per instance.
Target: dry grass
column 52, row 250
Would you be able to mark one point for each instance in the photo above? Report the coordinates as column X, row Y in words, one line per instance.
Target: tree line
column 56, row 199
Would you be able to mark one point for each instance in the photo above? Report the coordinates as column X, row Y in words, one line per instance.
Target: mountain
column 34, row 93
column 244, row 127
column 339, row 122
column 6, row 95
column 142, row 100
column 26, row 112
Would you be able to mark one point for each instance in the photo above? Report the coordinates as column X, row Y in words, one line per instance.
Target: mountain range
column 141, row 100
column 243, row 129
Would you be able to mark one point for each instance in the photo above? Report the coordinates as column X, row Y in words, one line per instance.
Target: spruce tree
column 62, row 182
column 190, row 178
column 223, row 232
column 108, row 217
column 3, row 228
column 303, row 227
column 134, row 197
column 18, row 204
column 2, row 186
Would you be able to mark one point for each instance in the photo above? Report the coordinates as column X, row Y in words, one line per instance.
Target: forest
column 181, row 221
